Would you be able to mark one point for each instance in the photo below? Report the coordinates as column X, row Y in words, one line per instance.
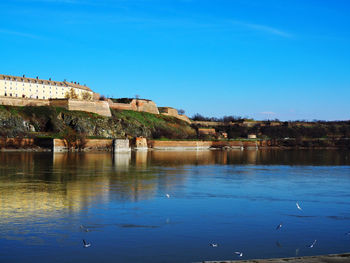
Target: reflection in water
column 122, row 160
column 33, row 183
column 210, row 190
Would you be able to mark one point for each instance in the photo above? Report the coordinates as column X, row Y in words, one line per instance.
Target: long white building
column 35, row 88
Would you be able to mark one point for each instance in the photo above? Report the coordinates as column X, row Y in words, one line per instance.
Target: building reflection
column 46, row 184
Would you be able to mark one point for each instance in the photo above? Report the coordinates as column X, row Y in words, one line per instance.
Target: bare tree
column 181, row 111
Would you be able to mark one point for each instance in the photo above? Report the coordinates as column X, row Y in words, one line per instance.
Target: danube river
column 118, row 203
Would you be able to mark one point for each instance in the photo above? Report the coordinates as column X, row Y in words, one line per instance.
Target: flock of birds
column 279, row 226
column 237, row 253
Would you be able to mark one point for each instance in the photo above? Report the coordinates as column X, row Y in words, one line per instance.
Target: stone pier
column 121, row 145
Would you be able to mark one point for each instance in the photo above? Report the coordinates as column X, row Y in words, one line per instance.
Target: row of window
column 27, row 81
column 24, row 96
column 38, row 86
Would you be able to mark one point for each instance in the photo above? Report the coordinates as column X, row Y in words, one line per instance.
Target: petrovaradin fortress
column 24, row 91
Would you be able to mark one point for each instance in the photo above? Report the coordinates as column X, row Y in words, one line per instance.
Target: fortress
column 23, row 91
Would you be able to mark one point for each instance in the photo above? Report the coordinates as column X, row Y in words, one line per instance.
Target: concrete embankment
column 200, row 145
column 336, row 258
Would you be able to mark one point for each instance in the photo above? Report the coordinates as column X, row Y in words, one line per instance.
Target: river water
column 50, row 202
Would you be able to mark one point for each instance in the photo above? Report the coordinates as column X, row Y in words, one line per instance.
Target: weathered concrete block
column 121, row 145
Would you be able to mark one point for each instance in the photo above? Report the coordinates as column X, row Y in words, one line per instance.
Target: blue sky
column 286, row 59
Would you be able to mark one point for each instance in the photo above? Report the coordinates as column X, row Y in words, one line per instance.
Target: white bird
column 167, row 195
column 214, row 245
column 240, row 254
column 85, row 244
column 298, row 206
column 279, row 226
column 312, row 245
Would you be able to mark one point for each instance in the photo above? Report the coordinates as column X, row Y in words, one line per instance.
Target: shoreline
column 331, row 258
column 140, row 143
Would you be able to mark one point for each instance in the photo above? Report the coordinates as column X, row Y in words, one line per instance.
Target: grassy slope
column 54, row 121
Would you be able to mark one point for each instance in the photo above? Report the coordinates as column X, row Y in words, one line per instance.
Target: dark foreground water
column 233, row 198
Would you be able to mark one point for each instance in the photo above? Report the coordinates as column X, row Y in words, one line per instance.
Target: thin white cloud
column 19, row 34
column 263, row 28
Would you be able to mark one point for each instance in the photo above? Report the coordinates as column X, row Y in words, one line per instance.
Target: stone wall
column 179, row 145
column 120, row 106
column 21, row 102
column 60, row 145
column 14, row 143
column 135, row 105
column 98, row 107
column 193, row 145
column 206, row 131
column 168, row 111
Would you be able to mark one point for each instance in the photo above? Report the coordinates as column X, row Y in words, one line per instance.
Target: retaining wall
column 179, row 145
column 21, row 102
column 60, row 145
column 135, row 105
column 98, row 107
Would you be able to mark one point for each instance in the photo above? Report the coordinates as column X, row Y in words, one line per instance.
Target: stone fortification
column 11, row 101
column 133, row 104
column 98, row 107
column 206, row 131
column 168, row 111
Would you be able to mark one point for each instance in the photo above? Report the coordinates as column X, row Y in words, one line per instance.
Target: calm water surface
column 232, row 198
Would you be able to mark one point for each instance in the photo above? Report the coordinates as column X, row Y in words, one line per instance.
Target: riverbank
column 140, row 143
column 336, row 258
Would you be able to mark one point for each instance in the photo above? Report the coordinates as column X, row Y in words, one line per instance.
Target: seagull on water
column 313, row 243
column 298, row 206
column 214, row 245
column 85, row 244
column 84, row 228
column 167, row 195
column 279, row 226
column 239, row 254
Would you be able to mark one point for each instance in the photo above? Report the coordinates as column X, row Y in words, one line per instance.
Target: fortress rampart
column 168, row 111
column 98, row 107
column 134, row 104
